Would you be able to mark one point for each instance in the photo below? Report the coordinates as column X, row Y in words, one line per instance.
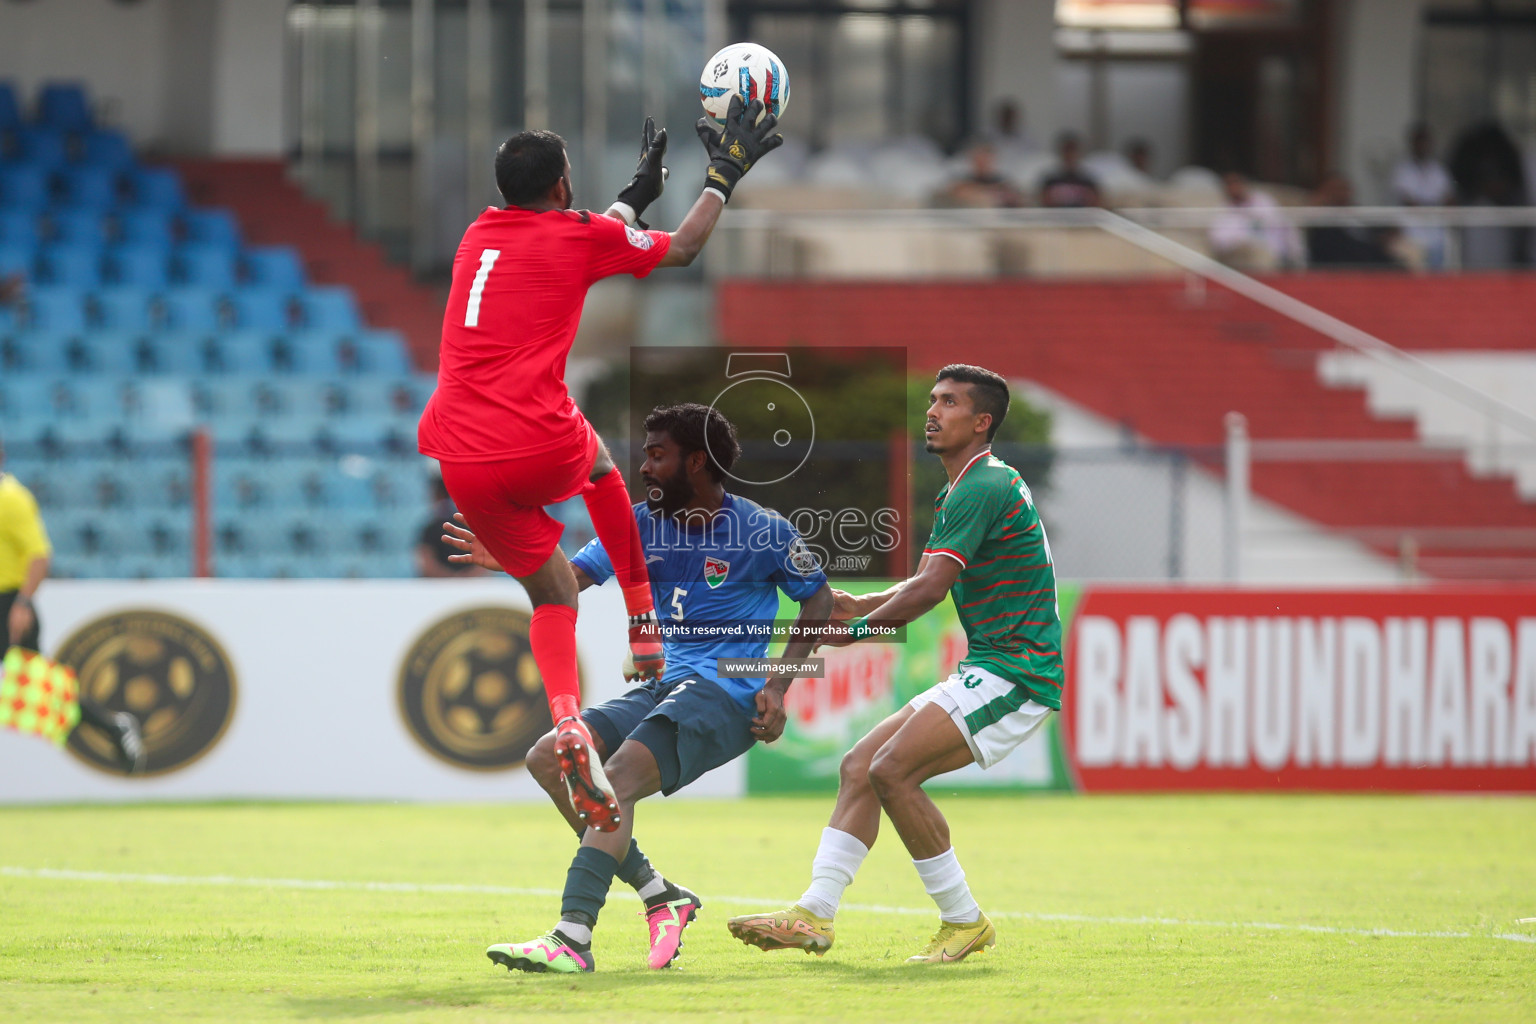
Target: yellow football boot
column 955, row 942
column 795, row 928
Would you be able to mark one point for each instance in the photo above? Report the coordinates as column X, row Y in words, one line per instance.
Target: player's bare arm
column 689, row 238
column 847, row 606
column 748, row 135
column 815, row 610
column 916, row 597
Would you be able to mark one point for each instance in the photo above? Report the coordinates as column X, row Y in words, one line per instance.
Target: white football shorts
column 993, row 714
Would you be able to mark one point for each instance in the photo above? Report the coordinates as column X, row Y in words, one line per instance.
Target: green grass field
column 1153, row 908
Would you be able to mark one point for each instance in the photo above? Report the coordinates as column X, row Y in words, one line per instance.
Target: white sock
column 837, row 860
column 575, row 931
column 655, row 887
column 944, row 879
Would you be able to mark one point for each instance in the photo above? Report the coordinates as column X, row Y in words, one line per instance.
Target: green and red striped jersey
column 1006, row 592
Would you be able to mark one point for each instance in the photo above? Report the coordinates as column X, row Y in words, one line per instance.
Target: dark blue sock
column 588, row 881
column 635, row 869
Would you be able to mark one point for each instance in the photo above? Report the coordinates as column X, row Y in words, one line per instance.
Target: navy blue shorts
column 690, row 727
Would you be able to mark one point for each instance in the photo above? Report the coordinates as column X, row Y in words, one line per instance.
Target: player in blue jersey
column 717, row 563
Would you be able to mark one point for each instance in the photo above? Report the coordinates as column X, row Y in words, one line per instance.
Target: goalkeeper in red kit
column 502, row 423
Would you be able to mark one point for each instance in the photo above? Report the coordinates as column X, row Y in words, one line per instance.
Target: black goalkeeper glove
column 734, row 149
column 650, row 176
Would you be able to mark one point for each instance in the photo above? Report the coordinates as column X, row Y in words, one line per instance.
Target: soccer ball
column 748, row 70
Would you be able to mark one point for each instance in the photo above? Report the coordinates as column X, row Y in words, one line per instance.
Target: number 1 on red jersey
column 488, row 259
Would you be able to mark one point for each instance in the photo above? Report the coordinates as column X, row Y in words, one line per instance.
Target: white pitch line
column 232, row 881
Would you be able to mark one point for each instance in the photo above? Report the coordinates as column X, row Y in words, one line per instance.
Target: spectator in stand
column 1488, row 171
column 1138, row 153
column 11, row 289
column 1009, row 137
column 1069, row 185
column 1252, row 234
column 982, row 186
column 1339, row 245
column 431, row 550
column 1421, row 180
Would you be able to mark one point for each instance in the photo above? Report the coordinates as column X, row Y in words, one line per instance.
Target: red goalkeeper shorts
column 503, row 501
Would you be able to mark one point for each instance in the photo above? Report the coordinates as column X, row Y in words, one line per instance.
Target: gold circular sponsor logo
column 167, row 671
column 470, row 691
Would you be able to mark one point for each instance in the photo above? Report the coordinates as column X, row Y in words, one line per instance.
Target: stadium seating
column 144, row 317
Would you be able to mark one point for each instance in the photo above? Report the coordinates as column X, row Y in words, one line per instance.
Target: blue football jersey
column 716, row 587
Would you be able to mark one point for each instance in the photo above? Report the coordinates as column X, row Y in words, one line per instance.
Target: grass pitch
column 1148, row 909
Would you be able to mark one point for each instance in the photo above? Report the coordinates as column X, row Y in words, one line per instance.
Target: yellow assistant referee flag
column 38, row 695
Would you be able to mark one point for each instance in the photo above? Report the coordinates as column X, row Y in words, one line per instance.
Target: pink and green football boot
column 667, row 919
column 551, row 952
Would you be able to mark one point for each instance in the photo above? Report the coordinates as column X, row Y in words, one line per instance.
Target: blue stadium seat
column 72, row 266
column 330, row 309
column 124, row 308
column 363, row 434
column 25, row 397
column 275, row 266
column 143, row 266
column 382, row 352
column 297, row 483
column 313, row 353
column 107, row 148
column 164, row 401
column 12, row 355
column 164, row 484
column 149, row 440
column 285, row 432
column 136, row 226
column 228, row 398
column 211, row 227
column 29, row 433
column 107, row 353
column 231, row 435
column 63, row 105
column 245, row 352
column 191, row 309
column 264, row 309
column 242, row 486
column 82, row 437
column 268, row 396
column 207, row 265
column 240, row 567
column 307, row 396
column 60, row 310
column 180, row 354
column 18, row 227
column 98, row 399
column 348, row 492
column 10, row 110
column 168, row 534
column 42, row 352
column 16, row 258
column 42, row 146
column 89, row 188
column 24, row 186
column 157, row 188
column 79, row 227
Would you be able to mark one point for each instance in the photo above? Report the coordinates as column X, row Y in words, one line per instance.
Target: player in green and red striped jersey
column 989, row 552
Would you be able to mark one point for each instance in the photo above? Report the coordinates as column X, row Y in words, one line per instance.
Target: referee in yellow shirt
column 25, row 555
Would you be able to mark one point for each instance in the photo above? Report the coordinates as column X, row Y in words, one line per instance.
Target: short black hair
column 698, row 428
column 989, row 391
column 528, row 165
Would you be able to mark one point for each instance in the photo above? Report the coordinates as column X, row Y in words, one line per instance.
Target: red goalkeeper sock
column 613, row 517
column 552, row 635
